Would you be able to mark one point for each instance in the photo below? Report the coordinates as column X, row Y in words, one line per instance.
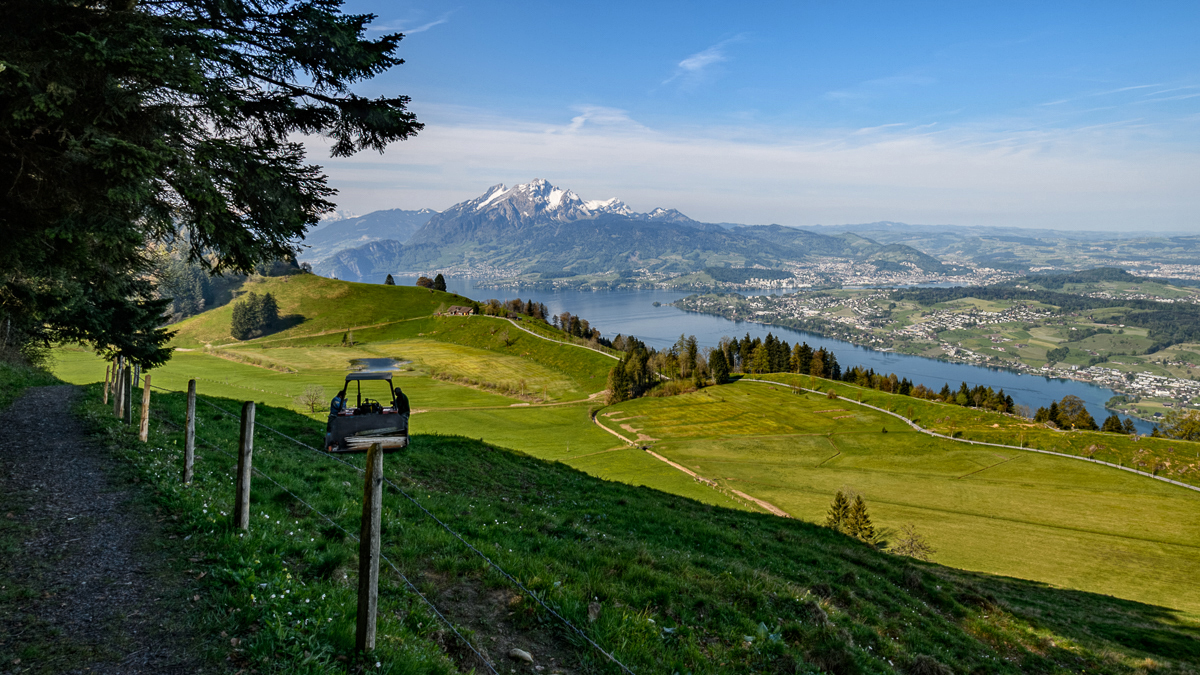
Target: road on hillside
column 87, row 588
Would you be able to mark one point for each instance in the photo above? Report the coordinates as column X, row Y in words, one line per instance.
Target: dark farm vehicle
column 355, row 428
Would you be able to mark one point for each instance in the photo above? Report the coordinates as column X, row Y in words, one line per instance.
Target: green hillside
column 317, row 304
column 987, row 510
column 666, row 584
column 993, row 510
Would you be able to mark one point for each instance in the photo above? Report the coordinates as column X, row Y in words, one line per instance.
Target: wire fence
column 516, row 582
column 353, row 536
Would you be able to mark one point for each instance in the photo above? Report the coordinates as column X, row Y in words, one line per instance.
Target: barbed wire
column 446, row 527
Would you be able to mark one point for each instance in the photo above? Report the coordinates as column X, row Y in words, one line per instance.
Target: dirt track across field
column 86, row 587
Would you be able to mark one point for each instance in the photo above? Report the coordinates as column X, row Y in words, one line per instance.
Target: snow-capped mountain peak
column 538, row 199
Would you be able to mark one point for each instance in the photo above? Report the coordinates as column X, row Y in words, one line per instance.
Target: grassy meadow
column 1051, row 520
column 1008, row 512
column 667, row 584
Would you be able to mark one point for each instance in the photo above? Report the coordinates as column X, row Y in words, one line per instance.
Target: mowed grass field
column 1056, row 520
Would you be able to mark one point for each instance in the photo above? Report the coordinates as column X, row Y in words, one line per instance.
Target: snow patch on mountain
column 538, row 198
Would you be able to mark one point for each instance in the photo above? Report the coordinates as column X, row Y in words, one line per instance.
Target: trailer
column 368, row 421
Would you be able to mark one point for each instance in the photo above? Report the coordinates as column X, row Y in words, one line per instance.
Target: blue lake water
column 632, row 312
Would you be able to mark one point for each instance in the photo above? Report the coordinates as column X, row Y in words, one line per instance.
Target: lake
column 632, row 312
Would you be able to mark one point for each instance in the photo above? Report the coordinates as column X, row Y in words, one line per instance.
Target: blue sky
column 1073, row 116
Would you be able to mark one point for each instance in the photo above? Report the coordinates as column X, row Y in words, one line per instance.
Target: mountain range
column 538, row 228
column 392, row 224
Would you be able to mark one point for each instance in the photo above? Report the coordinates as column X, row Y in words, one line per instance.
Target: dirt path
column 86, row 587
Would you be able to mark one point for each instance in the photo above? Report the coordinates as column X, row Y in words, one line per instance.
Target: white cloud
column 408, row 28
column 594, row 115
column 1097, row 178
column 875, row 88
column 693, row 68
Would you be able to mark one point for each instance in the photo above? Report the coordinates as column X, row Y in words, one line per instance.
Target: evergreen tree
column 389, row 281
column 858, row 521
column 132, row 124
column 838, row 516
column 268, row 314
column 1128, row 426
column 1055, row 415
column 746, row 353
column 719, row 367
column 1112, row 424
column 242, row 324
column 439, row 283
column 816, row 367
column 618, row 384
column 760, row 360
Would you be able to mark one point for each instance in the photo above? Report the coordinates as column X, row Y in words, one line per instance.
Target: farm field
column 1013, row 513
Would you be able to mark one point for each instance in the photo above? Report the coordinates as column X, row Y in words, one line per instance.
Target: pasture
column 1057, row 520
column 1052, row 520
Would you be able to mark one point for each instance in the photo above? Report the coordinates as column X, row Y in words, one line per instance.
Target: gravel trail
column 95, row 590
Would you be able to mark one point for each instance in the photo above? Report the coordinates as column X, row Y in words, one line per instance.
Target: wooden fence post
column 107, row 367
column 368, row 550
column 127, row 396
column 241, row 504
column 189, row 434
column 118, row 378
column 144, row 431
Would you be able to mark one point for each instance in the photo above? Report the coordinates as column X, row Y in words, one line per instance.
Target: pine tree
column 838, row 516
column 128, row 125
column 240, row 326
column 858, row 521
column 389, row 281
column 719, row 367
column 1112, row 424
column 439, row 283
column 268, row 313
column 618, row 384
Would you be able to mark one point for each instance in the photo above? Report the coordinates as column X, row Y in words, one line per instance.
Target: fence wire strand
column 353, row 536
column 446, row 527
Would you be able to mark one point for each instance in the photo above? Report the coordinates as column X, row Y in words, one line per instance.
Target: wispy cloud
column 693, row 68
column 1094, row 177
column 878, row 87
column 598, row 116
column 408, row 27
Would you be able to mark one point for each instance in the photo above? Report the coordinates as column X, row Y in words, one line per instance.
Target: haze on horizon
column 1073, row 116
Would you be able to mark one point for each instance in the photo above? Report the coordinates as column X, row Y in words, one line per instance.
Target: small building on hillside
column 459, row 310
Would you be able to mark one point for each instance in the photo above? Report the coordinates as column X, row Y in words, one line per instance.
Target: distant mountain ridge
column 537, row 227
column 393, row 224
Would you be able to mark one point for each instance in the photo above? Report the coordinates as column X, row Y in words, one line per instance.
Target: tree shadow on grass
column 284, row 323
column 1089, row 618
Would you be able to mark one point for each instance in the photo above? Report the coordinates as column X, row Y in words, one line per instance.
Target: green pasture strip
column 566, row 434
column 15, row 378
column 677, row 585
column 586, row 371
column 219, row 377
column 1178, row 460
column 988, row 509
